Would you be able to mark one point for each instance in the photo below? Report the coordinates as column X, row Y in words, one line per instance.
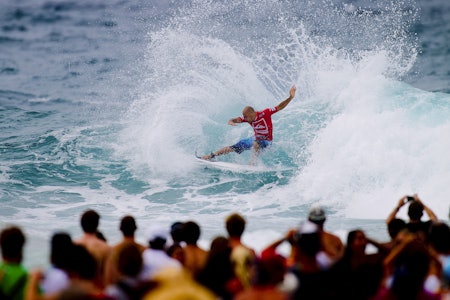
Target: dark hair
column 61, row 247
column 128, row 226
column 395, row 226
column 191, row 232
column 89, row 221
column 218, row 268
column 439, row 237
column 309, row 243
column 270, row 270
column 235, row 225
column 415, row 210
column 157, row 243
column 176, row 232
column 82, row 263
column 12, row 241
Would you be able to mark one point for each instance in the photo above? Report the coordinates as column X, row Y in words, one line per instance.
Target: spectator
column 176, row 251
column 128, row 228
column 330, row 243
column 439, row 242
column 13, row 275
column 194, row 256
column 290, row 282
column 415, row 212
column 311, row 263
column 271, row 250
column 176, row 233
column 407, row 268
column 129, row 265
column 218, row 273
column 155, row 258
column 82, row 270
column 96, row 246
column 242, row 256
column 269, row 273
column 56, row 277
column 357, row 275
column 394, row 227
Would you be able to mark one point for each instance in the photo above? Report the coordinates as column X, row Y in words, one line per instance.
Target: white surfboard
column 233, row 167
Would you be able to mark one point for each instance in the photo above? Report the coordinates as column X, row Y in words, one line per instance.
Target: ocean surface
column 104, row 103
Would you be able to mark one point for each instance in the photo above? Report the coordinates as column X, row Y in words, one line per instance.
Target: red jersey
column 262, row 125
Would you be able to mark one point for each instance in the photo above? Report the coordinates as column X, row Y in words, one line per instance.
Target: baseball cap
column 316, row 214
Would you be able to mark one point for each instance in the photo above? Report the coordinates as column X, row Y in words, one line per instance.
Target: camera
column 409, row 198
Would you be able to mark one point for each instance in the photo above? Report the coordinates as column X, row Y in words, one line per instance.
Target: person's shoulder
column 332, row 237
column 13, row 271
column 95, row 245
column 242, row 251
column 194, row 250
column 102, row 245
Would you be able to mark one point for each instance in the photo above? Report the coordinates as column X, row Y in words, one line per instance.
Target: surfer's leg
column 239, row 147
column 242, row 145
column 258, row 146
column 224, row 150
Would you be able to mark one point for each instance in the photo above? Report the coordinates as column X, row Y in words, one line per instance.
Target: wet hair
column 89, row 221
column 235, row 225
column 191, row 232
column 128, row 226
column 12, row 241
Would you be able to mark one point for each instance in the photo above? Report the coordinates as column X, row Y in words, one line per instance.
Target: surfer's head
column 249, row 114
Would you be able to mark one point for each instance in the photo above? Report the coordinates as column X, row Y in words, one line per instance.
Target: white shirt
column 156, row 260
column 54, row 281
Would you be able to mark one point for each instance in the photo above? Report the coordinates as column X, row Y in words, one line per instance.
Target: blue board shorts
column 247, row 143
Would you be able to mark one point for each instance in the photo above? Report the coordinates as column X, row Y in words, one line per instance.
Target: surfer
column 261, row 122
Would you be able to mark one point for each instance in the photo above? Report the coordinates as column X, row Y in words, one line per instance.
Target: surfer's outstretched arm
column 234, row 121
column 284, row 103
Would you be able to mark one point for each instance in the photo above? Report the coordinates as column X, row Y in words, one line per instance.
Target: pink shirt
column 262, row 125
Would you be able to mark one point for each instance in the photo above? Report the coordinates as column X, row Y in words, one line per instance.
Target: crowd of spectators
column 413, row 264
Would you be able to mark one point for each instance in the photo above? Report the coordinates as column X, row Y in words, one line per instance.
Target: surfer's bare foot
column 208, row 156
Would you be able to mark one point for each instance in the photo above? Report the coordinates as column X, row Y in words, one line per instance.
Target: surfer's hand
column 292, row 91
column 231, row 122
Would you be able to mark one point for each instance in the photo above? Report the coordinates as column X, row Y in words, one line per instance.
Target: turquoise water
column 102, row 105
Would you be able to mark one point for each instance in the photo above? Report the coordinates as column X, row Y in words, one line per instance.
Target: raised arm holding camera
column 415, row 213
